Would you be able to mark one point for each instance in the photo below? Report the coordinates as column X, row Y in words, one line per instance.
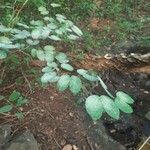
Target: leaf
column 47, row 69
column 21, row 101
column 21, row 34
column 55, row 79
column 52, row 65
column 36, row 33
column 31, row 42
column 82, row 71
column 90, row 77
column 1, row 97
column 73, row 37
column 45, row 33
column 94, row 107
column 60, row 16
column 23, row 25
column 63, row 82
column 4, row 39
column 40, row 55
column 37, row 23
column 44, row 12
column 77, row 30
column 67, row 67
column 5, row 108
column 52, row 26
column 3, row 54
column 55, row 38
column 124, row 97
column 49, row 48
column 49, row 56
column 75, row 85
column 110, row 107
column 123, row 106
column 47, row 77
column 55, row 5
column 62, row 58
column 19, row 115
column 14, row 96
column 33, row 52
column 41, row 8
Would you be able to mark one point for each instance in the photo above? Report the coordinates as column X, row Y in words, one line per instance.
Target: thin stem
column 12, row 22
column 105, row 87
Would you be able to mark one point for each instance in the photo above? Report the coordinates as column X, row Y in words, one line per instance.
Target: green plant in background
column 57, row 29
column 13, row 102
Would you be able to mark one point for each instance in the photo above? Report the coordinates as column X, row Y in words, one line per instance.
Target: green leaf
column 21, row 101
column 67, row 67
column 40, row 55
column 123, row 106
column 19, row 115
column 124, row 97
column 55, row 79
column 62, row 58
column 47, row 69
column 49, row 48
column 94, row 107
column 110, row 107
column 1, row 97
column 49, row 55
column 36, row 33
column 4, row 39
column 75, row 85
column 6, row 108
column 47, row 77
column 41, row 8
column 14, row 96
column 33, row 52
column 55, row 5
column 52, row 65
column 55, row 38
column 3, row 54
column 73, row 37
column 77, row 30
column 31, row 42
column 82, row 71
column 44, row 12
column 90, row 77
column 63, row 82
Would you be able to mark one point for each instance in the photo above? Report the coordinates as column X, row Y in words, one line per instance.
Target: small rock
column 5, row 132
column 148, row 115
column 75, row 147
column 25, row 141
column 67, row 147
column 147, row 84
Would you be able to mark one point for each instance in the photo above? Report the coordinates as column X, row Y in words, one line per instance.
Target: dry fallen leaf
column 67, row 147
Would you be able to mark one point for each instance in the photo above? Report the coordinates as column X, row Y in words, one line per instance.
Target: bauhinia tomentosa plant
column 57, row 28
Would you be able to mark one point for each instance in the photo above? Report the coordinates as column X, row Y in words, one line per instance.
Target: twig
column 89, row 143
column 12, row 21
column 144, row 143
column 30, row 87
column 2, row 74
column 7, row 87
column 57, row 143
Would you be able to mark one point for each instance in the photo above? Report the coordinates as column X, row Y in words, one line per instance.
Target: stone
column 5, row 131
column 107, row 142
column 25, row 141
column 148, row 115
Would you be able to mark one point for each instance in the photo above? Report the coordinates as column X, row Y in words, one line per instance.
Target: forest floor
column 57, row 119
